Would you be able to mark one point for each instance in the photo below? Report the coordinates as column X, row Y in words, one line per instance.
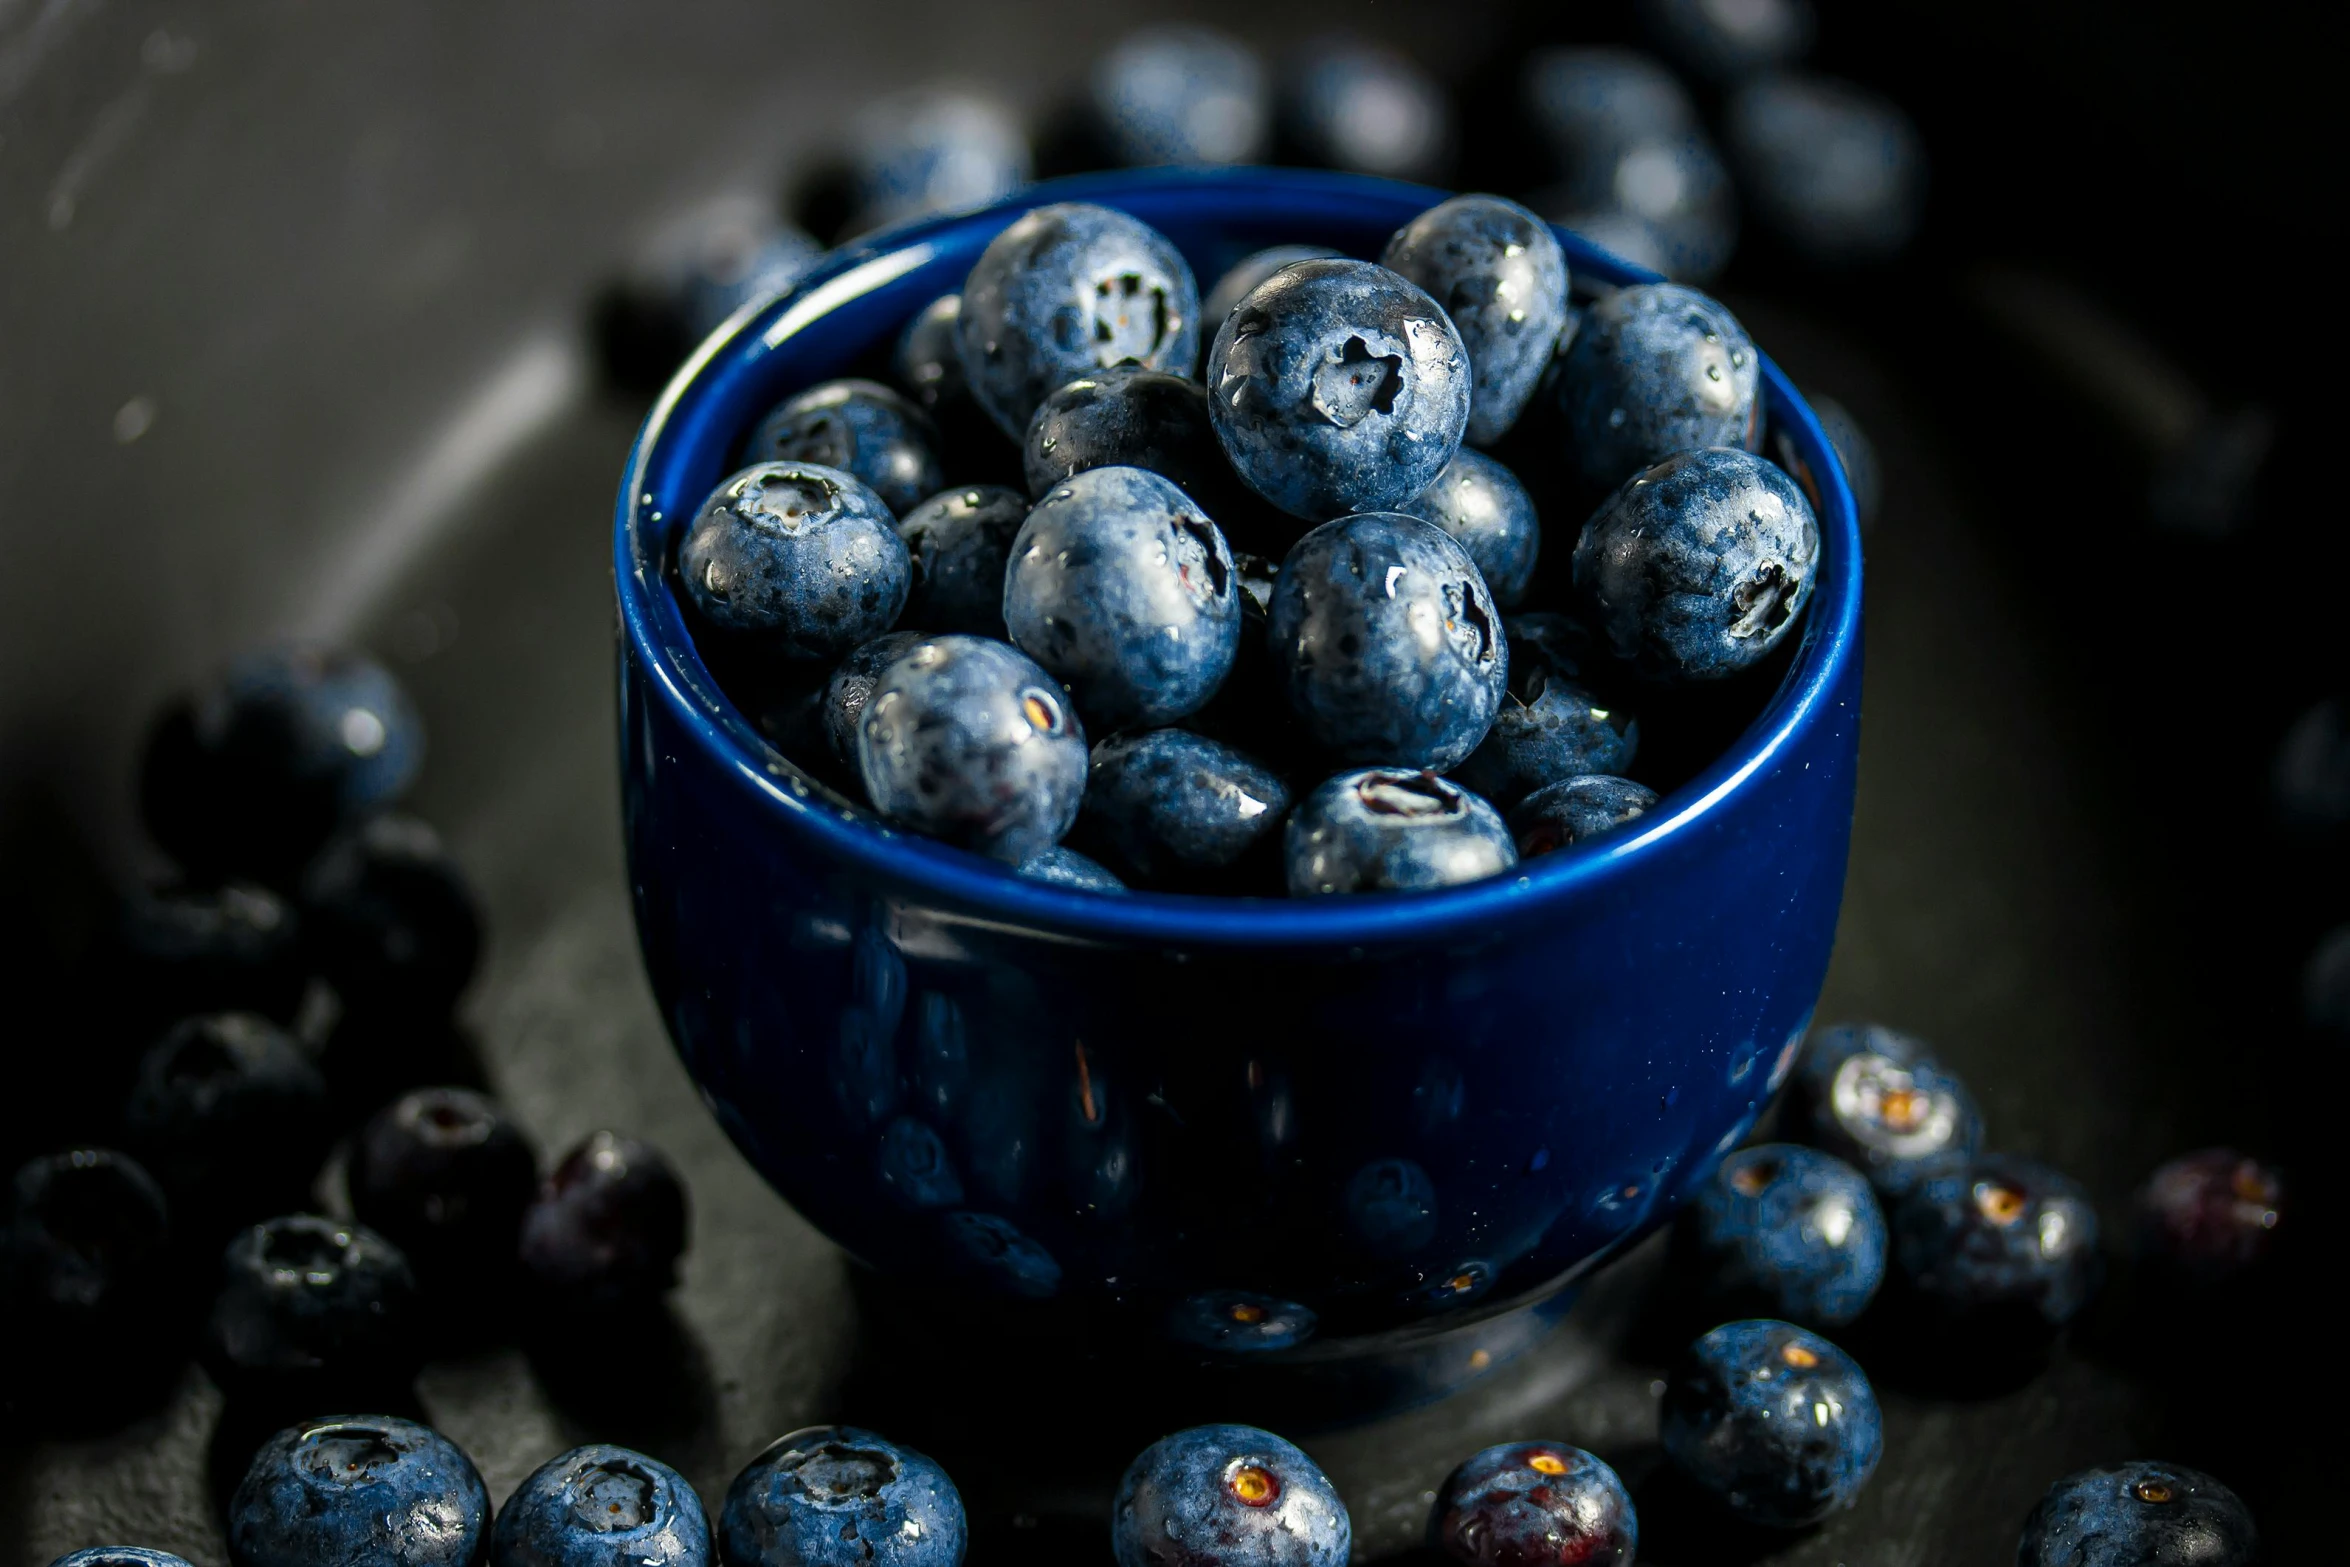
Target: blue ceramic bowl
column 1287, row 1126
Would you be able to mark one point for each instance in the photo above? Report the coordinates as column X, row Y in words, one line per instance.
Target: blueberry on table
column 1551, row 728
column 2135, row 1514
column 861, row 428
column 2211, row 1215
column 1775, row 1424
column 312, row 1308
column 446, row 1175
column 1534, row 1504
column 1171, row 808
column 1336, row 387
column 1227, row 1496
column 1389, row 645
column 253, row 772
column 2002, row 1245
column 359, row 1489
column 927, row 361
column 1490, row 515
column 119, row 1556
column 851, row 687
column 85, row 1255
column 1392, row 831
column 602, row 1506
column 1122, row 589
column 932, row 149
column 1349, row 103
column 1064, row 291
column 1656, row 369
column 1240, row 1322
column 1576, row 810
column 229, row 1115
column 1787, row 1232
column 969, row 741
column 1836, row 172
column 607, row 1228
column 959, row 542
column 234, row 947
column 1499, row 274
column 837, row 1496
column 1699, row 566
column 1127, row 417
column 1061, row 867
column 1185, row 95
column 797, row 558
column 393, row 922
column 1878, row 1098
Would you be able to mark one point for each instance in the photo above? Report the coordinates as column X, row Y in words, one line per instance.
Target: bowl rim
column 657, row 633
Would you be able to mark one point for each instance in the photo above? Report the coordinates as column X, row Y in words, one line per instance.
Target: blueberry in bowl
column 798, row 557
column 1655, row 369
column 861, row 428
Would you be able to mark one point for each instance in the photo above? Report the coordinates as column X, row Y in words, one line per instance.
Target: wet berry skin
column 119, row 1556
column 1181, row 95
column 860, row 428
column 1534, row 1504
column 229, row 1115
column 1551, row 728
column 1392, row 831
column 1388, row 643
column 1128, row 417
column 312, row 1308
column 1656, row 369
column 2138, row 1513
column 1122, row 589
column 445, row 1174
column 1337, row 387
column 927, row 363
column 1062, row 867
column 1499, row 274
column 1787, row 1232
column 1066, row 290
column 1489, row 514
column 959, row 542
column 359, row 1488
column 967, row 740
column 795, row 558
column 851, row 687
column 607, row 1228
column 235, row 947
column 602, row 1506
column 2003, row 1245
column 1575, row 810
column 837, row 1496
column 2211, row 1215
column 393, row 922
column 1242, row 277
column 1775, row 1424
column 1699, row 566
column 1169, row 808
column 1227, row 1496
column 84, row 1260
column 1878, row 1099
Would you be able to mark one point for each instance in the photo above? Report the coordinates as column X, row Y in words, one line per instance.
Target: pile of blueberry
column 1301, row 612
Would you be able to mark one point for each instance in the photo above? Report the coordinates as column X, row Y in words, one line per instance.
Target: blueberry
column 1001, row 1256
column 2137, row 1514
column 1499, row 273
column 86, row 1254
column 1777, row 1425
column 229, row 1115
column 602, row 1506
column 795, row 557
column 119, row 1556
column 851, row 687
column 1128, row 417
column 1720, row 42
column 1172, row 808
column 1242, row 277
column 1388, row 831
column 1575, row 810
column 1836, row 172
column 1123, row 589
column 1997, row 1243
column 1551, row 728
column 1176, row 94
column 1581, row 103
column 446, row 1175
column 1066, row 290
column 1388, row 642
column 312, row 1308
column 1559, row 642
column 257, row 769
column 836, row 1496
column 927, row 362
column 1227, row 1496
column 235, row 947
column 1349, row 103
column 1489, row 514
column 1624, row 145
column 1336, row 387
column 393, row 923
column 932, row 149
column 1698, row 566
column 1656, row 369
column 359, row 1488
column 1067, row 868
column 1879, row 1099
column 1787, row 1232
column 1240, row 1322
column 960, row 542
column 2310, row 777
column 2210, row 1215
column 726, row 253
column 607, row 1227
column 1534, row 1504
column 861, row 428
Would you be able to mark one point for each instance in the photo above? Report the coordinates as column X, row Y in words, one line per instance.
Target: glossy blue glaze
column 822, row 974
